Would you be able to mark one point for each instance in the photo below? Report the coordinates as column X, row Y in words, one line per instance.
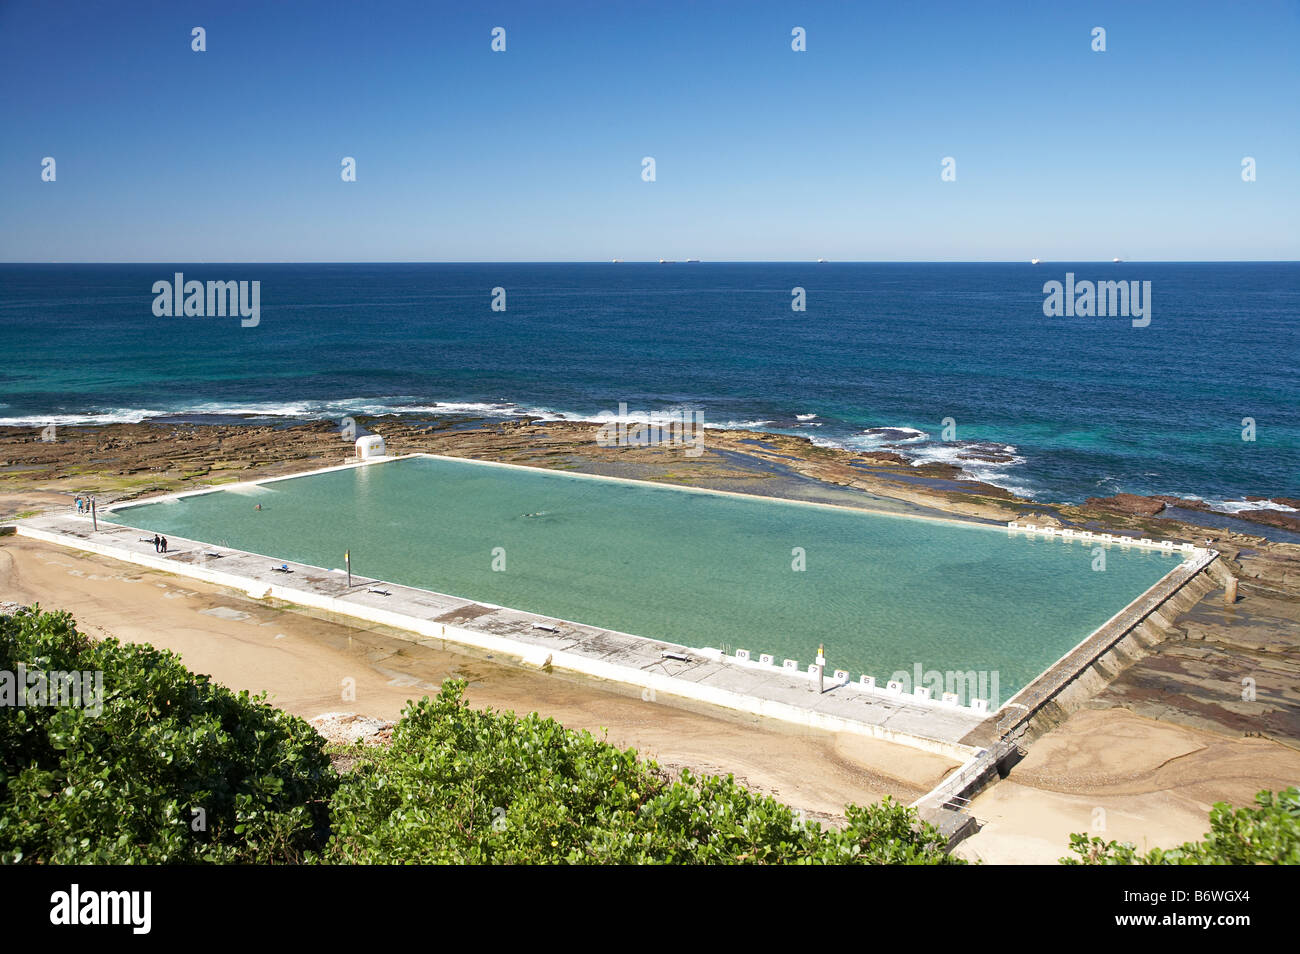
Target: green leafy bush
column 457, row 785
column 121, row 786
column 1265, row 835
column 464, row 786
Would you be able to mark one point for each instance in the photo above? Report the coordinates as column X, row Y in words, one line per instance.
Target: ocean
column 955, row 362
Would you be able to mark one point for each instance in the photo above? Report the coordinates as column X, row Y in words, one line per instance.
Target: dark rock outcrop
column 1128, row 503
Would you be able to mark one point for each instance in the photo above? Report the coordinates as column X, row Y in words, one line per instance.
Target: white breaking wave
column 1237, row 506
column 994, row 472
column 898, row 435
column 652, row 415
column 117, row 416
column 909, row 441
column 804, row 417
column 266, row 409
column 887, row 438
column 373, row 407
column 828, row 442
column 737, row 425
column 310, row 410
column 952, row 454
column 462, row 409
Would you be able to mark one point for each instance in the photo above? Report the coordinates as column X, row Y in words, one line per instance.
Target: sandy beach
column 1122, row 777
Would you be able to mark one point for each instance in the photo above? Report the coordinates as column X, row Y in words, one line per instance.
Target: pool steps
column 1108, row 539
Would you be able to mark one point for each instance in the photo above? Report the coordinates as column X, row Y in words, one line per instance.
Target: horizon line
column 651, row 261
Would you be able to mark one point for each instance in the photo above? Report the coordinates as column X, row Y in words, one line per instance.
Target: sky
column 762, row 153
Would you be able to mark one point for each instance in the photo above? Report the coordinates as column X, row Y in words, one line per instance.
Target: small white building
column 370, row 446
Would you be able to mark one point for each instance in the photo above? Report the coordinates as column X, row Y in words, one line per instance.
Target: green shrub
column 121, row 786
column 1266, row 835
column 464, row 786
column 457, row 785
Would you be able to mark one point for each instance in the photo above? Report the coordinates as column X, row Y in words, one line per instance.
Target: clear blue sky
column 164, row 154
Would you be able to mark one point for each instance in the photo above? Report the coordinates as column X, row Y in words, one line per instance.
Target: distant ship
column 695, row 260
column 1033, row 261
column 1117, row 259
column 666, row 261
column 821, row 261
column 617, row 261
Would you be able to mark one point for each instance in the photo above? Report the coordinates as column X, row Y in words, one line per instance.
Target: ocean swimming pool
column 883, row 593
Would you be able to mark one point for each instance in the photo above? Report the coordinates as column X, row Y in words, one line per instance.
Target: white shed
column 372, row 445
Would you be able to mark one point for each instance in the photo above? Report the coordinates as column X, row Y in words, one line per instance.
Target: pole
column 821, row 668
column 94, row 516
column 347, row 559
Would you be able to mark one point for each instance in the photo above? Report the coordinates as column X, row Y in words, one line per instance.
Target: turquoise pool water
column 883, row 593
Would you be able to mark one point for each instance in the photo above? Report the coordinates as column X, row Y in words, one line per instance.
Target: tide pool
column 883, row 593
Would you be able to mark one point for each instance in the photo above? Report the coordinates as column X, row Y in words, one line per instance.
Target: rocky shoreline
column 125, row 461
column 1158, row 503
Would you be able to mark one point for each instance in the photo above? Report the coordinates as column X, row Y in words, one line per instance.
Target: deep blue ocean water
column 1081, row 406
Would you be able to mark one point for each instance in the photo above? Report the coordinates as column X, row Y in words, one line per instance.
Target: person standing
column 157, row 543
column 164, row 544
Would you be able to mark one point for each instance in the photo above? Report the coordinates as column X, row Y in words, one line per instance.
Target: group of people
column 86, row 505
